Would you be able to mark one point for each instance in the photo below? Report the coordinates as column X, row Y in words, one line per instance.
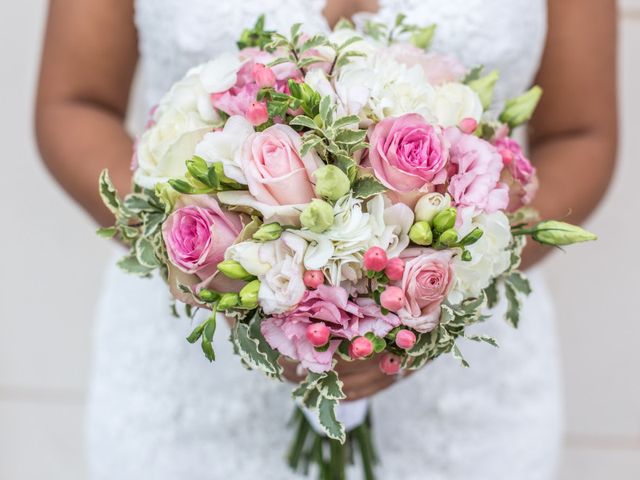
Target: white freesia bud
column 430, row 205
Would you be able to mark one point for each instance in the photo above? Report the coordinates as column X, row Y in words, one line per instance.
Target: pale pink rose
column 518, row 174
column 198, row 233
column 475, row 169
column 276, row 173
column 438, row 68
column 407, row 153
column 331, row 306
column 426, row 282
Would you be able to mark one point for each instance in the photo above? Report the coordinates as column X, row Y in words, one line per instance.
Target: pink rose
column 330, row 305
column 426, row 282
column 198, row 233
column 475, row 167
column 519, row 174
column 438, row 68
column 276, row 173
column 407, row 153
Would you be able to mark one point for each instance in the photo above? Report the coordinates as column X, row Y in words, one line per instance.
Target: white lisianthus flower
column 490, row 255
column 225, row 146
column 278, row 264
column 357, row 226
column 162, row 150
column 382, row 87
column 220, row 74
column 454, row 102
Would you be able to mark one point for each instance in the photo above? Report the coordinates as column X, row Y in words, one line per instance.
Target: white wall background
column 50, row 255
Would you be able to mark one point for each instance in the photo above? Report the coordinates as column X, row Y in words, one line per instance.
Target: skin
column 90, row 54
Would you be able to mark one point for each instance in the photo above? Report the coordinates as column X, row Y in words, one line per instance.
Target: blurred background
column 52, row 263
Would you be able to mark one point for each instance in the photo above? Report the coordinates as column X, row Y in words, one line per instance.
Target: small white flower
column 278, row 264
column 225, row 146
column 221, row 73
column 490, row 255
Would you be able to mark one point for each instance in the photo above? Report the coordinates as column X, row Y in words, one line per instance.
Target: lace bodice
column 159, row 411
column 175, row 35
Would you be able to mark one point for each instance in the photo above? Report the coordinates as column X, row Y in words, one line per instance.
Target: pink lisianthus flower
column 518, row 174
column 198, row 233
column 407, row 153
column 437, row 68
column 331, row 306
column 475, row 169
column 428, row 277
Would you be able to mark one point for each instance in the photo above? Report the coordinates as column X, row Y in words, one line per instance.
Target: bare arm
column 573, row 136
column 88, row 62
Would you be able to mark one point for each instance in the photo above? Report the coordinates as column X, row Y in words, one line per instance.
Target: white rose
column 454, row 102
column 164, row 148
column 490, row 254
column 224, row 147
column 430, row 205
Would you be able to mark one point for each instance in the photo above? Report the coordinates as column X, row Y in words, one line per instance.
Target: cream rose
column 453, row 102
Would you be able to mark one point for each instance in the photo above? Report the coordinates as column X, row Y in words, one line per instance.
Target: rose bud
column 405, row 339
column 263, row 76
column 375, row 259
column 392, row 298
column 430, row 205
column 318, row 334
column 268, row 232
column 331, row 182
column 445, row 220
column 395, row 269
column 468, row 125
column 257, row 114
column 361, row 347
column 317, row 216
column 448, row 238
column 390, row 364
column 421, row 234
column 234, row 270
column 313, row 279
column 249, row 294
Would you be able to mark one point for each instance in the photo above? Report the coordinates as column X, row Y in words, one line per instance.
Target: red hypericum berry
column 395, row 269
column 257, row 113
column 375, row 259
column 405, row 339
column 313, row 279
column 468, row 125
column 390, row 364
column 263, row 76
column 318, row 334
column 361, row 347
column 392, row 298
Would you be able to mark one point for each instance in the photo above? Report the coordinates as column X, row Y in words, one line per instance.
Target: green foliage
column 420, row 36
column 256, row 36
column 250, row 344
column 365, row 187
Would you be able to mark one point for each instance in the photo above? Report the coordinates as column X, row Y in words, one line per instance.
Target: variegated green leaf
column 328, row 420
column 330, row 386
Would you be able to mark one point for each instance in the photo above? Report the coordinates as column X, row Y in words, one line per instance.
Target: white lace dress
column 160, row 411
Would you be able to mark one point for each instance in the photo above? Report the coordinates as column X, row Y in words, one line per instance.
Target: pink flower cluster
column 345, row 319
column 241, row 99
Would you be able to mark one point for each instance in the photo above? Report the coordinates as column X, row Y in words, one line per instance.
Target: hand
column 361, row 378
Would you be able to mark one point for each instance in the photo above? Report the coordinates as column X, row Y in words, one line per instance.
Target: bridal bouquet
column 335, row 197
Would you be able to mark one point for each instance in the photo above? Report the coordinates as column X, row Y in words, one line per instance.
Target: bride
column 157, row 409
